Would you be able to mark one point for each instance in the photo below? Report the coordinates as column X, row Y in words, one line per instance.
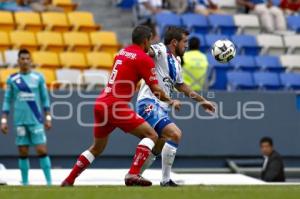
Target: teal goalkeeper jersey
column 29, row 96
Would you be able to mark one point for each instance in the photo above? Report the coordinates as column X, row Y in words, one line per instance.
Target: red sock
column 81, row 164
column 141, row 155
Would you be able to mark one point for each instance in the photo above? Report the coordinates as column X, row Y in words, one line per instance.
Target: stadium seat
column 293, row 22
column 238, row 80
column 164, row 20
column 268, row 62
column 293, row 44
column 246, row 44
column 50, row 41
column 244, row 62
column 6, row 21
column 196, row 23
column 68, row 77
column 272, row 44
column 95, row 78
column 290, row 80
column 83, row 21
column 49, row 75
column 30, row 21
column 203, row 45
column 11, row 58
column 67, row 5
column 105, row 41
column 73, row 60
column 2, row 63
column 55, row 21
column 223, row 24
column 218, row 70
column 23, row 39
column 77, row 41
column 4, row 75
column 292, row 62
column 267, row 80
column 247, row 24
column 45, row 59
column 4, row 41
column 99, row 60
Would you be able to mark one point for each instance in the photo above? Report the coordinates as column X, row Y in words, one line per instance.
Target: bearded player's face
column 182, row 45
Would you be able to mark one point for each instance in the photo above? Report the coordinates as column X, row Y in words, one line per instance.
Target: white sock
column 148, row 163
column 167, row 159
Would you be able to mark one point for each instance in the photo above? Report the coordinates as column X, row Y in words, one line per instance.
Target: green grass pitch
column 121, row 192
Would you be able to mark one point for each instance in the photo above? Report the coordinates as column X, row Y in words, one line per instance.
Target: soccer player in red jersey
column 111, row 108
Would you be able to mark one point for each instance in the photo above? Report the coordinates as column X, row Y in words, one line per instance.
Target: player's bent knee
column 176, row 136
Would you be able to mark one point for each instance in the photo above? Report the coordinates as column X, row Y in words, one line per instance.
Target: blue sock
column 24, row 167
column 45, row 164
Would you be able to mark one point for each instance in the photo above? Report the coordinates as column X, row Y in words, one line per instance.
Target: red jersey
column 130, row 66
column 291, row 5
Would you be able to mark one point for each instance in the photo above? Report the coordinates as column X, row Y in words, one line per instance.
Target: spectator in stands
column 290, row 6
column 271, row 17
column 273, row 167
column 204, row 7
column 178, row 7
column 195, row 65
column 12, row 5
column 40, row 5
column 148, row 8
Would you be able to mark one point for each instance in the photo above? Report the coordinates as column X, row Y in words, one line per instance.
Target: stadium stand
column 29, row 21
column 67, row 5
column 99, row 60
column 54, row 21
column 50, row 41
column 6, row 21
column 83, row 21
column 46, row 59
column 77, row 41
column 23, row 39
column 4, row 41
column 105, row 41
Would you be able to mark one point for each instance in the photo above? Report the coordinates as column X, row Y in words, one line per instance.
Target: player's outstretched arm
column 161, row 95
column 6, row 106
column 207, row 105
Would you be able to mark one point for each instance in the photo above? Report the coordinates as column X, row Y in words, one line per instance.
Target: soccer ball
column 223, row 50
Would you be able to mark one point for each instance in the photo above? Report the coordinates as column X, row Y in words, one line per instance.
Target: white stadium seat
column 95, row 78
column 293, row 44
column 248, row 24
column 11, row 58
column 292, row 62
column 68, row 77
column 272, row 44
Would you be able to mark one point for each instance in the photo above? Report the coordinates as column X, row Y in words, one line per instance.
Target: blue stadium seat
column 276, row 2
column 196, row 23
column 244, row 62
column 246, row 44
column 290, row 80
column 268, row 80
column 294, row 23
column 268, row 62
column 210, row 39
column 238, row 80
column 164, row 20
column 223, row 24
column 219, row 71
column 203, row 46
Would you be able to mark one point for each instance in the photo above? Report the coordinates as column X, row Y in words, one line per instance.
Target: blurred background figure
column 290, row 6
column 12, row 5
column 271, row 17
column 39, row 5
column 205, row 7
column 195, row 65
column 273, row 167
column 178, row 7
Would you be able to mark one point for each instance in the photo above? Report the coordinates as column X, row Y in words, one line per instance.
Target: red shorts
column 107, row 118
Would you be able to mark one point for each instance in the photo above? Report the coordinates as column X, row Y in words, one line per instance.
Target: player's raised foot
column 66, row 184
column 169, row 183
column 136, row 180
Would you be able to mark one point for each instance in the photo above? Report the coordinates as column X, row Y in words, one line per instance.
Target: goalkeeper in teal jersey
column 27, row 92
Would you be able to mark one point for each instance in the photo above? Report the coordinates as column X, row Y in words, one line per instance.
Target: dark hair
column 140, row 33
column 174, row 32
column 266, row 139
column 23, row 51
column 194, row 43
